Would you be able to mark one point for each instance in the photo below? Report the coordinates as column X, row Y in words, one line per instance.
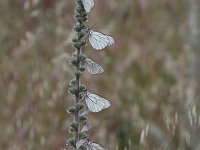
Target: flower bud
column 71, row 110
column 82, row 118
column 82, row 88
column 79, row 106
column 74, row 125
column 71, row 142
column 81, row 57
column 82, row 68
column 70, row 130
column 81, row 34
column 74, row 62
column 82, row 135
column 73, row 90
column 72, row 82
column 77, row 44
column 74, row 40
column 78, row 73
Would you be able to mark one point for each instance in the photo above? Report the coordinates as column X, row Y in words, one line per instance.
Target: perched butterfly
column 92, row 67
column 96, row 103
column 100, row 40
column 88, row 145
column 85, row 128
column 88, row 4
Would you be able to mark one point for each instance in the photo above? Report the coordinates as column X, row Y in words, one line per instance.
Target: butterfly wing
column 85, row 128
column 92, row 67
column 88, row 4
column 96, row 103
column 82, row 142
column 99, row 40
column 94, row 146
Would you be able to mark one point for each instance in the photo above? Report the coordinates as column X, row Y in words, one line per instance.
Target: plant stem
column 76, row 117
column 76, row 87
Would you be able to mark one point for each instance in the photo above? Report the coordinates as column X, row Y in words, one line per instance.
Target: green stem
column 76, row 117
column 76, row 87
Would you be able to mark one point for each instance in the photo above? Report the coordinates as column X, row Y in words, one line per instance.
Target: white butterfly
column 96, row 103
column 85, row 128
column 88, row 145
column 100, row 40
column 88, row 4
column 92, row 67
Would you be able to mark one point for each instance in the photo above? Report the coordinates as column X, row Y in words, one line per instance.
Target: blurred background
column 151, row 76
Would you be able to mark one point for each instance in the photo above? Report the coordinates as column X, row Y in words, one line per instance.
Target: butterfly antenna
column 87, row 84
column 91, row 134
column 94, row 26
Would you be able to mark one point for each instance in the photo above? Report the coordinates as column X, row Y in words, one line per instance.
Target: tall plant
column 79, row 127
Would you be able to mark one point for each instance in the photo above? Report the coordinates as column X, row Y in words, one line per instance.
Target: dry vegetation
column 151, row 77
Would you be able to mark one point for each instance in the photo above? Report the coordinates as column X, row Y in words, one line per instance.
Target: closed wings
column 92, row 67
column 99, row 40
column 89, row 145
column 88, row 4
column 85, row 128
column 96, row 103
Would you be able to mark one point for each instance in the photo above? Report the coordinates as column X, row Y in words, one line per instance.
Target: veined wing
column 96, row 103
column 89, row 145
column 99, row 40
column 92, row 67
column 81, row 143
column 94, row 146
column 85, row 128
column 88, row 4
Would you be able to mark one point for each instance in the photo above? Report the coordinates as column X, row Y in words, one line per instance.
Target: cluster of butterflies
column 94, row 102
column 98, row 41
